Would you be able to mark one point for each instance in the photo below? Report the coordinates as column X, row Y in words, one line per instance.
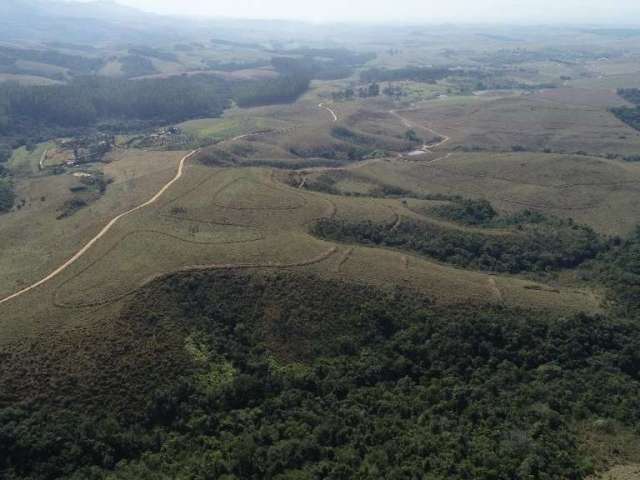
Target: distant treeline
column 76, row 63
column 232, row 66
column 277, row 90
column 630, row 94
column 322, row 64
column 136, row 66
column 629, row 115
column 88, row 101
column 416, row 74
column 619, row 269
column 551, row 54
column 153, row 53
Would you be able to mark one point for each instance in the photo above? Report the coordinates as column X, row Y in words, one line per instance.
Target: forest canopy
column 88, row 101
column 390, row 387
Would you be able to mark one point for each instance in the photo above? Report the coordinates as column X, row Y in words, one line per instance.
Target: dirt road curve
column 43, row 157
column 103, row 232
column 333, row 114
column 115, row 220
column 409, row 124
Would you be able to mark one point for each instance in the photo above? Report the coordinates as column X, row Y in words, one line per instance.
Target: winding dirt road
column 177, row 176
column 115, row 220
column 103, row 232
column 333, row 114
column 43, row 157
column 409, row 124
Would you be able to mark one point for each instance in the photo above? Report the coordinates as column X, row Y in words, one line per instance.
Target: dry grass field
column 255, row 217
column 621, row 472
column 35, row 242
column 219, row 218
column 594, row 191
column 561, row 121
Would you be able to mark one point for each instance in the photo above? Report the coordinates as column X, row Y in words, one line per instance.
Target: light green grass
column 24, row 162
column 224, row 128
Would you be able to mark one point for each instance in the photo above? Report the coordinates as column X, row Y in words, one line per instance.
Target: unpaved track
column 103, row 232
column 493, row 286
column 409, row 124
column 115, row 220
column 43, row 157
column 333, row 114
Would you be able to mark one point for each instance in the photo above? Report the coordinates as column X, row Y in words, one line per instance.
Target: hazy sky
column 530, row 11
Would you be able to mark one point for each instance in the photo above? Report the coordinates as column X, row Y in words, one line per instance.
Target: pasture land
column 218, row 218
column 562, row 121
column 595, row 191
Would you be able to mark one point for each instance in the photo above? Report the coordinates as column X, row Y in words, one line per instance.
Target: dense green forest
column 136, row 66
column 630, row 94
column 7, row 195
column 619, row 269
column 629, row 115
column 278, row 90
column 467, row 211
column 88, row 100
column 43, row 111
column 147, row 51
column 322, row 64
column 76, row 63
column 533, row 247
column 284, row 376
column 416, row 74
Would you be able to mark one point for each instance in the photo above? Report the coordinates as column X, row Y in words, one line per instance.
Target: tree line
column 629, row 115
column 416, row 74
column 533, row 247
column 92, row 101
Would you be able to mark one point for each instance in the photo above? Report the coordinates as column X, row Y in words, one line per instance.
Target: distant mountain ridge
column 98, row 9
column 102, row 21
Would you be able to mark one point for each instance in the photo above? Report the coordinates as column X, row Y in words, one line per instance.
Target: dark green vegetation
column 5, row 153
column 471, row 212
column 466, row 80
column 322, row 64
column 90, row 100
column 278, row 90
column 532, row 247
column 88, row 190
column 482, row 213
column 619, row 269
column 417, row 74
column 629, row 115
column 120, row 105
column 630, row 94
column 292, row 377
column 136, row 66
column 79, row 64
column 7, row 196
